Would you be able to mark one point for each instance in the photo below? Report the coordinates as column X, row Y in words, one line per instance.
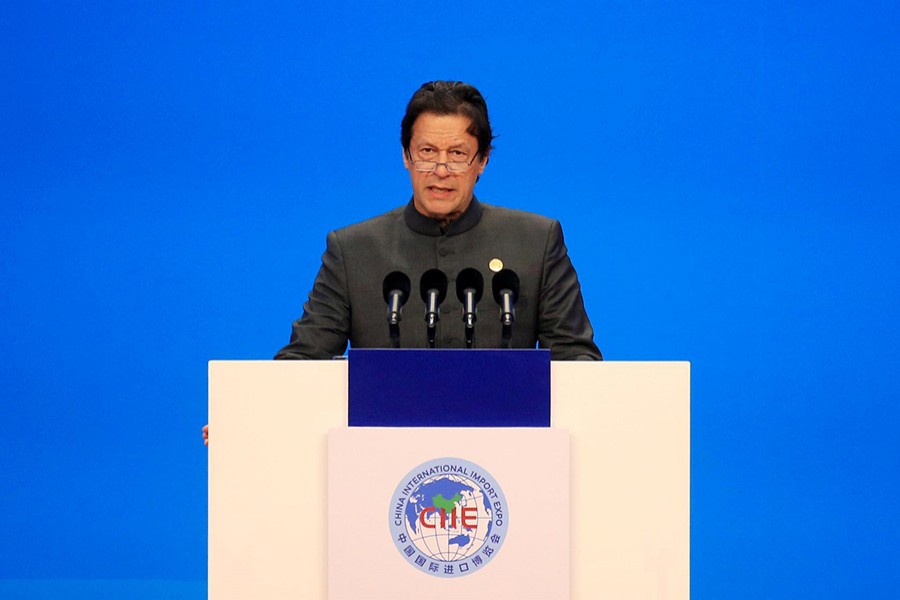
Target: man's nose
column 441, row 170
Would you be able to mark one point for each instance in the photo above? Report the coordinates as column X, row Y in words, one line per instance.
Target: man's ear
column 405, row 160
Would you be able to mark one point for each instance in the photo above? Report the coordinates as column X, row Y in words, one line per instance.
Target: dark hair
column 449, row 98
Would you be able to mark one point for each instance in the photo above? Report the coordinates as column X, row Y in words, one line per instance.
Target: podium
column 629, row 445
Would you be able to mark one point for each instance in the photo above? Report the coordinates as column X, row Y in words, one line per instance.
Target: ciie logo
column 448, row 517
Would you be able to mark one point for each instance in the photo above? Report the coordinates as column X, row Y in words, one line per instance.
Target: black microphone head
column 433, row 279
column 505, row 280
column 396, row 281
column 469, row 278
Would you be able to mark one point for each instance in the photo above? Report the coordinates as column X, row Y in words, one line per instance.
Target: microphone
column 396, row 292
column 469, row 289
column 433, row 288
column 505, row 286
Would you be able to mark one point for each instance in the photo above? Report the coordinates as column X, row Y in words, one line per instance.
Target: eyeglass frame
column 447, row 164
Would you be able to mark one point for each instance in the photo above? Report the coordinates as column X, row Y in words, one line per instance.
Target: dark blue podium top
column 449, row 388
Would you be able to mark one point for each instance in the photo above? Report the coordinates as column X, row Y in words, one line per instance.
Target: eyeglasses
column 454, row 166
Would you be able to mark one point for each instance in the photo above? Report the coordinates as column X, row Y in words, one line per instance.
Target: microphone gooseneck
column 433, row 289
column 505, row 286
column 395, row 290
column 469, row 289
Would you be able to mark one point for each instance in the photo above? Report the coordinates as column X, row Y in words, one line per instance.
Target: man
column 446, row 138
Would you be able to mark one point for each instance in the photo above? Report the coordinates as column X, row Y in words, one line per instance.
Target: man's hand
column 206, row 435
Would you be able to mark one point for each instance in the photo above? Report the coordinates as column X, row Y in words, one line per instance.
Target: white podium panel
column 630, row 476
column 510, row 485
column 630, row 424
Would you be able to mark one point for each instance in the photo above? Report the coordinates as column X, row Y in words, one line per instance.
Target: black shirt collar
column 428, row 226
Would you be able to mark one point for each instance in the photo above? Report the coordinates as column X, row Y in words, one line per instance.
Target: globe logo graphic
column 448, row 517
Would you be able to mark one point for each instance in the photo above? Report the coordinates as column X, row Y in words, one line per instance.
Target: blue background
column 727, row 177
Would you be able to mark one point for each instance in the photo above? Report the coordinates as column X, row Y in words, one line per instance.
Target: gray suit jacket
column 346, row 302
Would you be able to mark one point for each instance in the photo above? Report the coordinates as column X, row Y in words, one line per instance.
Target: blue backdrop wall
column 726, row 174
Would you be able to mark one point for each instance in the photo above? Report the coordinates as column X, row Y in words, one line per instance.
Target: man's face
column 443, row 194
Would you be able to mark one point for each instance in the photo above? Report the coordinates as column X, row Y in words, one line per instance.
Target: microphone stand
column 393, row 319
column 433, row 288
column 431, row 319
column 469, row 317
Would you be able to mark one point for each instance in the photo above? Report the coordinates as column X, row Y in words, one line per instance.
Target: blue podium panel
column 449, row 388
